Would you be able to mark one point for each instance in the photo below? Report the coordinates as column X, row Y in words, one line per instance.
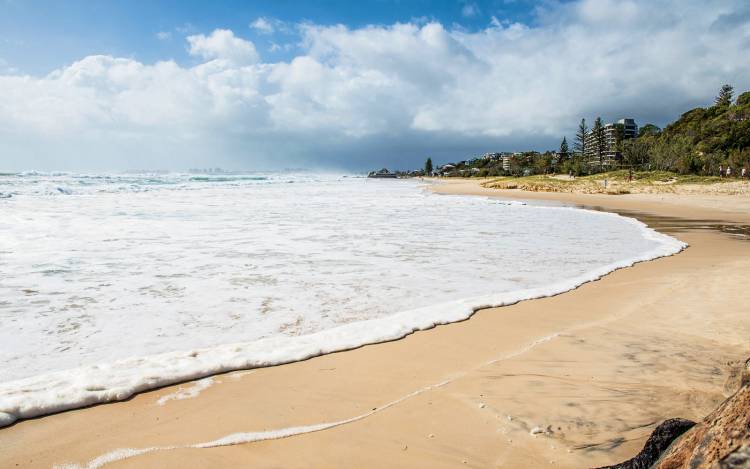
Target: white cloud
column 276, row 47
column 263, row 26
column 223, row 44
column 6, row 69
column 163, row 35
column 470, row 10
column 185, row 28
column 360, row 96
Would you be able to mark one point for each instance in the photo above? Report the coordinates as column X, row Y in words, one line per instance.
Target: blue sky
column 106, row 85
column 39, row 36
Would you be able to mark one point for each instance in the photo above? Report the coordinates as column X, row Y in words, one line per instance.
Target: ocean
column 111, row 284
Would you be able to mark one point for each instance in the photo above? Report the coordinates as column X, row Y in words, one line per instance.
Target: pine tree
column 619, row 137
column 428, row 166
column 564, row 151
column 725, row 96
column 597, row 133
column 580, row 142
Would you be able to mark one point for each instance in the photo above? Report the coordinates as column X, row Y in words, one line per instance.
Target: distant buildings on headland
column 471, row 168
column 600, row 149
column 382, row 174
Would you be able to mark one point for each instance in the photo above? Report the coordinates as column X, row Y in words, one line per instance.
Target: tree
column 635, row 152
column 725, row 96
column 543, row 163
column 428, row 166
column 739, row 158
column 580, row 142
column 516, row 164
column 619, row 136
column 649, row 129
column 564, row 151
column 597, row 132
column 676, row 153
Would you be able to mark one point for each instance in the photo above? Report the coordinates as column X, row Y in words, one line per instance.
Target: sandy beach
column 575, row 380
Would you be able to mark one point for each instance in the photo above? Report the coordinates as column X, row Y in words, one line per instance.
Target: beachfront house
column 445, row 169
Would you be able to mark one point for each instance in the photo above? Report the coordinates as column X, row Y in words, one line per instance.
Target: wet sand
column 592, row 370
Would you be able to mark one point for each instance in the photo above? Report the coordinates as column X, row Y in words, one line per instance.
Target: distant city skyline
column 117, row 85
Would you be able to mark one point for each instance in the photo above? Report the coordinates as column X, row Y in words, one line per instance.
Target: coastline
column 598, row 374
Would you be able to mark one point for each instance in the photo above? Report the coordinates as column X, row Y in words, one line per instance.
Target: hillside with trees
column 700, row 141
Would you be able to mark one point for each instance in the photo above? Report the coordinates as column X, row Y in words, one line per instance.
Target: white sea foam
column 187, row 392
column 114, row 289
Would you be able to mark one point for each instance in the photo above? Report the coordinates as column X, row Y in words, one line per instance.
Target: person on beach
column 729, row 171
column 721, row 171
column 743, row 174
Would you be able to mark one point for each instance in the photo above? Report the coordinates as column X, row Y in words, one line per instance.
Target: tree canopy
column 649, row 129
column 725, row 96
column 703, row 138
column 580, row 142
column 564, row 150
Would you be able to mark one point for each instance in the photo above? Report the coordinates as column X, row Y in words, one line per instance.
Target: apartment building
column 610, row 155
column 503, row 158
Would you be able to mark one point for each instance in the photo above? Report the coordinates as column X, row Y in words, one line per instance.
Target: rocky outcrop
column 660, row 439
column 738, row 459
column 719, row 441
column 739, row 375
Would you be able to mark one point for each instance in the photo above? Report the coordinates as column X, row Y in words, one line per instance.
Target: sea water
column 113, row 284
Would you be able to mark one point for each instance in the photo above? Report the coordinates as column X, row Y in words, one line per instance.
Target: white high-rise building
column 610, row 155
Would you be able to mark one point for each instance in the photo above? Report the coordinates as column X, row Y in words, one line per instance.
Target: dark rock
column 710, row 443
column 719, row 441
column 660, row 439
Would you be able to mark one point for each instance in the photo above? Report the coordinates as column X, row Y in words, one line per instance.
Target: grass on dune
column 617, row 182
column 656, row 177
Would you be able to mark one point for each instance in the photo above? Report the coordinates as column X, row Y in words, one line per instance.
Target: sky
column 340, row 85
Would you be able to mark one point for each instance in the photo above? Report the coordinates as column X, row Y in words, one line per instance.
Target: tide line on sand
column 251, row 437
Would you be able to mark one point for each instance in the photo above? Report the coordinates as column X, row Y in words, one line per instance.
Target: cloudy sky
column 116, row 85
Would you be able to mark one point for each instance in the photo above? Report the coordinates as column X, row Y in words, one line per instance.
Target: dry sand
column 595, row 369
